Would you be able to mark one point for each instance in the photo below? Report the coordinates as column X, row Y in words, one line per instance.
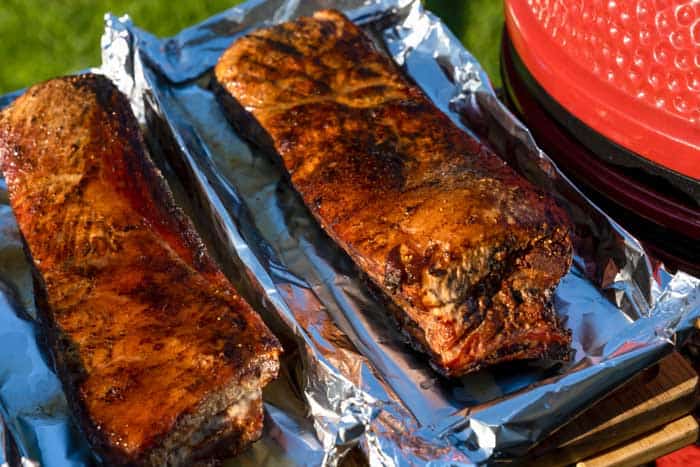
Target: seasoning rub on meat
column 161, row 360
column 465, row 250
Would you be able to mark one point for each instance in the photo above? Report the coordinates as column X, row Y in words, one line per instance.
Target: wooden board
column 647, row 447
column 653, row 399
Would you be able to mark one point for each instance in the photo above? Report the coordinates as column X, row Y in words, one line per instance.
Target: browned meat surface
column 466, row 250
column 162, row 361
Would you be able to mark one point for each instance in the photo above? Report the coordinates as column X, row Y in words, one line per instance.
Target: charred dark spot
column 408, row 210
column 517, row 296
column 472, row 316
column 511, row 349
column 394, row 270
column 237, row 320
column 206, row 320
column 437, row 272
column 232, row 352
column 368, row 92
column 386, row 164
column 398, row 271
column 268, row 341
column 152, row 294
column 328, row 28
column 201, row 261
column 195, row 385
column 280, row 46
column 114, row 394
column 366, row 72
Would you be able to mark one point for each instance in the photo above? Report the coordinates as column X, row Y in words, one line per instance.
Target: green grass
column 40, row 39
column 478, row 24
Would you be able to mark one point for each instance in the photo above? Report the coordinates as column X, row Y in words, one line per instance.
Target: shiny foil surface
column 349, row 381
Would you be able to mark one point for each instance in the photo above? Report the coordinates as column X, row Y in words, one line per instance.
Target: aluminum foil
column 348, row 380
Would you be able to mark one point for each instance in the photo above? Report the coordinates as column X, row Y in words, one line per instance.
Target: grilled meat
column 161, row 360
column 467, row 251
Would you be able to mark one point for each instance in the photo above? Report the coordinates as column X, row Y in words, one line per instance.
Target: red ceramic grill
column 611, row 90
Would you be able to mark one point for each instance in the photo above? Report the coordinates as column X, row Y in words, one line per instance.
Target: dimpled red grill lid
column 629, row 69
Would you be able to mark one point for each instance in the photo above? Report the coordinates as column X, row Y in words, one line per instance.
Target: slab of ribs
column 466, row 252
column 161, row 360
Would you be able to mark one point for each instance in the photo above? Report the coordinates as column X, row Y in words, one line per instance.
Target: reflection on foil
column 348, row 378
